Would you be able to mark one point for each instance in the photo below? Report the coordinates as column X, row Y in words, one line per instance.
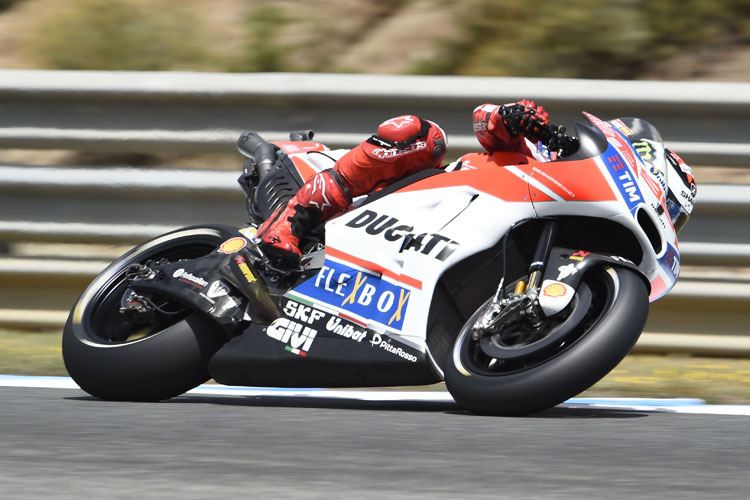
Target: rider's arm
column 505, row 127
column 492, row 133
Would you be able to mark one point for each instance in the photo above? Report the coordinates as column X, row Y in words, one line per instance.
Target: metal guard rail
column 205, row 112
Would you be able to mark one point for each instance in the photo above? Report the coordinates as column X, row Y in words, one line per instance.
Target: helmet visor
column 677, row 213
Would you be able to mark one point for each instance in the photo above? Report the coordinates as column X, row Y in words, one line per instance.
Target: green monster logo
column 644, row 150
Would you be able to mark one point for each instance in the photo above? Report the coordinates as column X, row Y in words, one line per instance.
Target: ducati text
column 389, row 228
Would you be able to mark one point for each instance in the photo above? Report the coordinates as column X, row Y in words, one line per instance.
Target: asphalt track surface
column 61, row 443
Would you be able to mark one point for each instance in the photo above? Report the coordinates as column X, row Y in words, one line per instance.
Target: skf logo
column 357, row 292
column 303, row 313
column 432, row 244
column 331, row 323
column 299, row 338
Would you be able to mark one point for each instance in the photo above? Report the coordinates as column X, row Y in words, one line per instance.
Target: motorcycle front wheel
column 599, row 328
column 116, row 357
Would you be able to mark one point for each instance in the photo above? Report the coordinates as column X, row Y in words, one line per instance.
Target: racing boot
column 320, row 198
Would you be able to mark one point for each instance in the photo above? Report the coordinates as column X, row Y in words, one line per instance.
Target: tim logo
column 298, row 337
column 357, row 292
column 671, row 261
column 623, row 177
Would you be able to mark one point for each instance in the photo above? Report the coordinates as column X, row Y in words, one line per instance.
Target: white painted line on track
column 676, row 405
column 40, row 382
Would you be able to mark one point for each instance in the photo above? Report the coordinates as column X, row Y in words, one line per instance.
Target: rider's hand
column 525, row 118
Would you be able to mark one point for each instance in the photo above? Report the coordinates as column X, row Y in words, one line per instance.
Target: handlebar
column 554, row 137
column 520, row 118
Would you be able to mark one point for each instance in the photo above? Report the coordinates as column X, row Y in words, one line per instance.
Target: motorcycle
column 517, row 282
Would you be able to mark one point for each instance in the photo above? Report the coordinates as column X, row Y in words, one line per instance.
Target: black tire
column 167, row 361
column 614, row 320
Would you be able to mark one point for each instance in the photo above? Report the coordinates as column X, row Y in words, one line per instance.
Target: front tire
column 110, row 358
column 617, row 311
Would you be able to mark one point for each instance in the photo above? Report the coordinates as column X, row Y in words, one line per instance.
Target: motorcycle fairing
column 309, row 346
column 310, row 162
column 200, row 284
column 565, row 268
column 393, row 251
column 313, row 343
column 299, row 147
column 558, row 181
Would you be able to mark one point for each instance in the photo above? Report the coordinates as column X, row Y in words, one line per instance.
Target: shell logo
column 232, row 245
column 555, row 290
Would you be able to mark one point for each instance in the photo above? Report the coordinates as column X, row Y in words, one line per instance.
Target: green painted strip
column 300, row 299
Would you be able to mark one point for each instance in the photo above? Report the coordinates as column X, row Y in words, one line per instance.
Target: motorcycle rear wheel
column 112, row 359
column 617, row 302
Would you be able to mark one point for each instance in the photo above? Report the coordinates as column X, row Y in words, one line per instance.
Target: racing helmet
column 682, row 190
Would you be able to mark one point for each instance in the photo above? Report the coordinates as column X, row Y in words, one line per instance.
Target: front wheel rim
column 469, row 359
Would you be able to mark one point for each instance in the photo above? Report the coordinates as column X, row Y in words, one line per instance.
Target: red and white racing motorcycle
column 519, row 283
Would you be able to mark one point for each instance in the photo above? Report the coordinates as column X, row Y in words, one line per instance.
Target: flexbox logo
column 299, row 338
column 364, row 295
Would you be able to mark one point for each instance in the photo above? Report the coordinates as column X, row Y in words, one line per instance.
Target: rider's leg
column 320, row 198
column 373, row 164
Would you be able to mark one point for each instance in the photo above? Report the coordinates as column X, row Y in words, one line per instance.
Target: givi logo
column 299, row 338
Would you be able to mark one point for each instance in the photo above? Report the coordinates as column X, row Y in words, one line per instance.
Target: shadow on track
column 343, row 403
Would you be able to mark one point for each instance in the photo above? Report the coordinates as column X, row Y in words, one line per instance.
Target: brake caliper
column 512, row 307
column 136, row 308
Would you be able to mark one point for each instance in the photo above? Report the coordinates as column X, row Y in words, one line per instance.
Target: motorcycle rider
column 403, row 145
column 407, row 144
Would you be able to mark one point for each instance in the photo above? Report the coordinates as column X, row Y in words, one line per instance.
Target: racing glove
column 525, row 118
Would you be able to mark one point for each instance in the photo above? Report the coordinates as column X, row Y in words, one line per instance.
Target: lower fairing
column 309, row 346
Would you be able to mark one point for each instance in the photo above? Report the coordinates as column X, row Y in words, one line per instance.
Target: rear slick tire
column 170, row 361
column 577, row 363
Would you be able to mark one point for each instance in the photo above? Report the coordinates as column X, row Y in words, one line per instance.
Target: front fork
column 541, row 255
column 523, row 303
